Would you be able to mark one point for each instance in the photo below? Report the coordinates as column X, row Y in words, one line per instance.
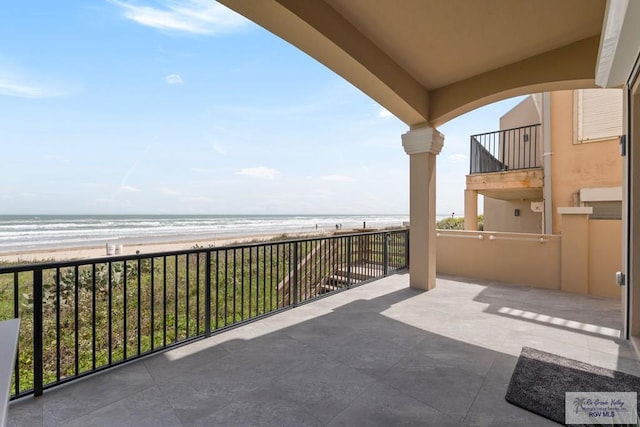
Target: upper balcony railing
column 504, row 150
column 83, row 316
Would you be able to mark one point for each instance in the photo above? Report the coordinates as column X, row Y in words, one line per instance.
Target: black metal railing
column 509, row 149
column 79, row 317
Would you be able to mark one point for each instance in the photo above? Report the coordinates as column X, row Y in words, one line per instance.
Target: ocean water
column 24, row 233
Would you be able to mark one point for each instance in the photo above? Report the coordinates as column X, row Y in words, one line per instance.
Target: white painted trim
column 422, row 140
column 604, row 194
column 547, row 189
column 609, row 39
column 619, row 43
column 575, row 211
column 9, row 330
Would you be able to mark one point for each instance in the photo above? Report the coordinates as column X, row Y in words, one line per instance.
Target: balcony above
column 511, row 185
column 506, row 150
column 506, row 164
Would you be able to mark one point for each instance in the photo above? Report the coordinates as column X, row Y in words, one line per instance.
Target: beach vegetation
column 457, row 223
column 98, row 314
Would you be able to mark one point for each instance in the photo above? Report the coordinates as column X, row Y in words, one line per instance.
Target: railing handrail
column 506, row 130
column 505, row 149
column 85, row 315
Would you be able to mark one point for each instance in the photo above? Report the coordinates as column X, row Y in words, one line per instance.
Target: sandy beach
column 132, row 249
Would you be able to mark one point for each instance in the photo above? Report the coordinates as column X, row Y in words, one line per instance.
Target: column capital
column 422, row 140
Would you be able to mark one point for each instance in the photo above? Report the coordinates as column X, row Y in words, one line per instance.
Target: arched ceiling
column 428, row 61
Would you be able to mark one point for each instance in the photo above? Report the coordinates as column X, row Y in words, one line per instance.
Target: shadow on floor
column 380, row 354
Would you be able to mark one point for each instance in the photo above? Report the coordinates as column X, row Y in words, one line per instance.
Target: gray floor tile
column 177, row 362
column 73, row 400
column 448, row 389
column 384, row 406
column 146, row 408
column 379, row 354
column 261, row 407
column 324, row 387
column 26, row 412
column 368, row 353
column 445, row 352
column 491, row 409
column 208, row 388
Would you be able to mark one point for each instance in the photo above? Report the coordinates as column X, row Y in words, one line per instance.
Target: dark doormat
column 540, row 380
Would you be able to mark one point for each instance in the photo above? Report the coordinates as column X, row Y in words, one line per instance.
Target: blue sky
column 123, row 106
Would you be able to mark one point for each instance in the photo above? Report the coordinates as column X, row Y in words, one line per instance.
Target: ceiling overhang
column 428, row 61
column 568, row 67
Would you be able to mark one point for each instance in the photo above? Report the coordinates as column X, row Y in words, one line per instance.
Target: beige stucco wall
column 605, row 257
column 576, row 166
column 511, row 258
column 524, row 114
column 500, row 216
column 583, row 259
column 574, row 272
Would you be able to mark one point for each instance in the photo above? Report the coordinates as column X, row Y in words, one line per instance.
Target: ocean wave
column 20, row 233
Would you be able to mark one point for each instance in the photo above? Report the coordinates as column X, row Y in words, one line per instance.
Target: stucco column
column 574, row 249
column 471, row 210
column 422, row 145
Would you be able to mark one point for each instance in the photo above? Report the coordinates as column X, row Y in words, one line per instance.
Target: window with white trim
column 598, row 114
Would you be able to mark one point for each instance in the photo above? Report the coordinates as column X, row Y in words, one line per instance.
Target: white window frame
column 597, row 115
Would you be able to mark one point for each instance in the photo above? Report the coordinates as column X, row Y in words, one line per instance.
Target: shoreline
column 86, row 252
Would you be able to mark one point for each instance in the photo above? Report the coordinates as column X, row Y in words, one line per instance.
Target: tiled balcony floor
column 381, row 354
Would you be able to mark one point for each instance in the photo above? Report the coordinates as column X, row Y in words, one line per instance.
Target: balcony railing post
column 295, row 273
column 207, row 294
column 349, row 250
column 37, row 333
column 501, row 141
column 407, row 257
column 471, row 154
column 385, row 253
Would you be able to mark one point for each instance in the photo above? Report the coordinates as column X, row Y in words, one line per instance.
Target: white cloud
column 201, row 170
column 384, row 113
column 93, row 185
column 191, row 16
column 197, row 199
column 218, row 149
column 259, row 172
column 20, row 91
column 9, row 88
column 57, row 159
column 33, row 82
column 174, row 79
column 458, row 157
column 168, row 191
column 338, row 178
column 129, row 188
column 322, row 194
